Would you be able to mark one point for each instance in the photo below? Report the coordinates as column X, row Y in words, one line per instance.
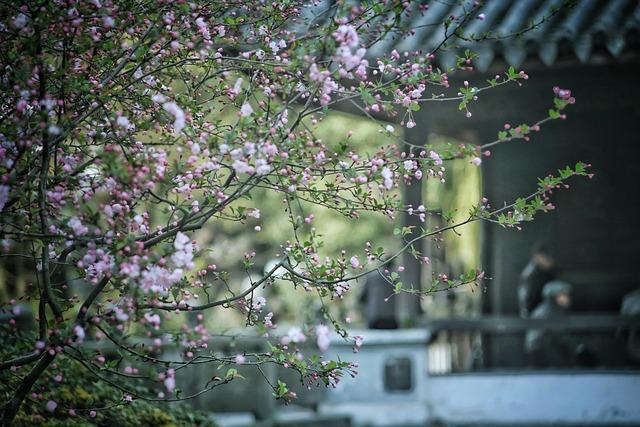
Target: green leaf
column 554, row 114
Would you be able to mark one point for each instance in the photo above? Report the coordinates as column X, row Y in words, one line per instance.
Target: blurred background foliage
column 224, row 243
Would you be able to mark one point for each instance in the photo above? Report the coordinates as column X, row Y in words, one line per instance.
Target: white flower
column 294, row 335
column 387, row 176
column 181, row 241
column 183, row 259
column 120, row 314
column 389, row 128
column 173, row 109
column 262, row 168
column 322, row 337
column 246, row 110
column 19, row 21
column 78, row 331
column 170, row 384
column 159, row 98
column 123, row 122
column 4, row 196
column 237, row 87
column 108, row 22
column 240, row 166
column 355, row 262
column 277, row 45
column 259, row 303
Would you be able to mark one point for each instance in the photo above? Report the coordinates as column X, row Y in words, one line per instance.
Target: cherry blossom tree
column 126, row 126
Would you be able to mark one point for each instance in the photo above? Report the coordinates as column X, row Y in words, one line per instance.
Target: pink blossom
column 52, row 405
column 76, row 225
column 202, row 27
column 153, row 319
column 170, row 381
column 317, row 75
column 347, row 35
column 358, row 340
column 158, row 279
column 268, row 323
column 437, row 160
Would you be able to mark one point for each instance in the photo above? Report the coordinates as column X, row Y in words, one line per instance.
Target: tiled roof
column 577, row 28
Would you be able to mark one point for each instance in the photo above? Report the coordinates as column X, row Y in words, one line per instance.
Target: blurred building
column 591, row 48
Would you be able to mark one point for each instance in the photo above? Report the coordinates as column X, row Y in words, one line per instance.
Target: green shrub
column 81, row 391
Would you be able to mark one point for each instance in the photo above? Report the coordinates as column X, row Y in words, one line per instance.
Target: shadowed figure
column 551, row 348
column 379, row 311
column 631, row 308
column 539, row 271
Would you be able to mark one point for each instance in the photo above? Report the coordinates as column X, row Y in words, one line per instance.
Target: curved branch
column 224, row 301
column 20, row 361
